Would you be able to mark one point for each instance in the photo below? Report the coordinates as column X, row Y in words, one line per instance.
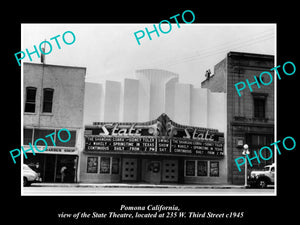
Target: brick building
column 250, row 118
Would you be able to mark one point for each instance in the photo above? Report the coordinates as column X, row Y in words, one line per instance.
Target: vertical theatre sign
column 160, row 136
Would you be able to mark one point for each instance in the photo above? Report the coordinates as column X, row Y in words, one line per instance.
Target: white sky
column 111, row 52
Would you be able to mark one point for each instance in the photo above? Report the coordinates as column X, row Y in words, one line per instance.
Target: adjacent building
column 250, row 117
column 53, row 100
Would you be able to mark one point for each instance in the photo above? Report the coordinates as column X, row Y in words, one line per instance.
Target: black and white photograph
column 146, row 122
column 180, row 118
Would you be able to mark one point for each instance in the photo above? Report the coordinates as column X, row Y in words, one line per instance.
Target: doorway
column 170, row 171
column 49, row 166
column 154, row 170
column 129, row 169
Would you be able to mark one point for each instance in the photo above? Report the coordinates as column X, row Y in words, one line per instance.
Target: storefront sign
column 161, row 136
column 121, row 129
column 59, row 150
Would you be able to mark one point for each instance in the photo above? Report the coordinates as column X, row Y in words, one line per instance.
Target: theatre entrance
column 154, row 170
column 170, row 171
column 158, row 171
column 129, row 169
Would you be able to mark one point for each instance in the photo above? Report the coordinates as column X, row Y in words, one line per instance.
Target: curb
column 118, row 185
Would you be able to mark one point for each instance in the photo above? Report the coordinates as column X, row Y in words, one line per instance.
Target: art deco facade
column 124, row 141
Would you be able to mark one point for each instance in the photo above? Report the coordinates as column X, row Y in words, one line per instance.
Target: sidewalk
column 139, row 185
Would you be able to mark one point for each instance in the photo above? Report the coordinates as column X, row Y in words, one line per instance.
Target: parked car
column 29, row 176
column 262, row 178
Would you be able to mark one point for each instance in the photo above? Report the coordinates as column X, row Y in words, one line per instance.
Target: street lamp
column 245, row 153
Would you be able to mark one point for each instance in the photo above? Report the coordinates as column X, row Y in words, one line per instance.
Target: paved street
column 96, row 190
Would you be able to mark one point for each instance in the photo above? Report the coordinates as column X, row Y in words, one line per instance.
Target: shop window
column 47, row 100
column 115, row 166
column 190, row 167
column 201, row 168
column 42, row 133
column 214, row 169
column 105, row 165
column 256, row 142
column 64, row 136
column 30, row 99
column 92, row 164
column 27, row 136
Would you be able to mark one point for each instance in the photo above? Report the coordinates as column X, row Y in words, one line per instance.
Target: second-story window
column 30, row 99
column 259, row 108
column 47, row 100
column 259, row 104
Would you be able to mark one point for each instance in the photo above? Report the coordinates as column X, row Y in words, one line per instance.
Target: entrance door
column 129, row 169
column 154, row 170
column 170, row 171
column 65, row 168
column 49, row 167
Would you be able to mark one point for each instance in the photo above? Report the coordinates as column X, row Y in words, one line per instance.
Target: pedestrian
column 63, row 173
column 37, row 170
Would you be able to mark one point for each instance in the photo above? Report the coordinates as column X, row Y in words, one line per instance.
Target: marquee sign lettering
column 160, row 136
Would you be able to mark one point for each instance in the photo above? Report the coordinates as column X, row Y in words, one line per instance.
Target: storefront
column 158, row 151
column 54, row 167
column 57, row 163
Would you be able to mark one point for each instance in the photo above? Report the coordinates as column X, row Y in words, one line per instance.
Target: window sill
column 46, row 114
column 42, row 114
column 30, row 113
column 260, row 119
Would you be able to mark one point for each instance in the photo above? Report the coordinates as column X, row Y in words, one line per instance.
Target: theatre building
column 53, row 100
column 153, row 129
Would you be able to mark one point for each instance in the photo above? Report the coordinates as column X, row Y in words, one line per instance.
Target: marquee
column 160, row 136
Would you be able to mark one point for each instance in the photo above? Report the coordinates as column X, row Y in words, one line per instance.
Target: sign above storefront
column 59, row 150
column 160, row 136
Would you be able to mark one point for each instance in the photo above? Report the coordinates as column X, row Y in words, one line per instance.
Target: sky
column 111, row 52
